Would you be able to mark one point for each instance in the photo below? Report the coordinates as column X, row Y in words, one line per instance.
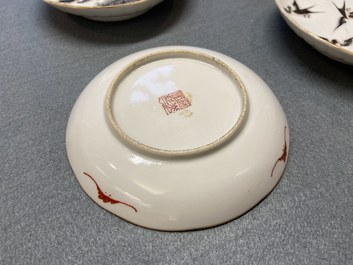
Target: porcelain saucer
column 177, row 138
column 326, row 25
column 104, row 10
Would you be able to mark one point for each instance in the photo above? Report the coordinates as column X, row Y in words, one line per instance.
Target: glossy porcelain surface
column 104, row 10
column 177, row 138
column 326, row 25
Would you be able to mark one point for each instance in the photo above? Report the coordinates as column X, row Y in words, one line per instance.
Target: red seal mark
column 106, row 198
column 283, row 157
column 174, row 101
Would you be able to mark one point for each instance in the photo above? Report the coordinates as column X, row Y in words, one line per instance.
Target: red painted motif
column 283, row 157
column 106, row 198
column 174, row 101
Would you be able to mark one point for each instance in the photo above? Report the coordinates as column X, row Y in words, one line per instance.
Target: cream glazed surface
column 326, row 25
column 104, row 10
column 177, row 138
column 93, row 3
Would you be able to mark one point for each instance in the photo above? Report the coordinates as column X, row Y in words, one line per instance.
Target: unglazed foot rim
column 168, row 55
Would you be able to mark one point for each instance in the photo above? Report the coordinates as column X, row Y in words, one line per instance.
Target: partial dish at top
column 326, row 25
column 104, row 10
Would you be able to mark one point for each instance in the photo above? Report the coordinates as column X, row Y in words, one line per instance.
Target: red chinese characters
column 174, row 101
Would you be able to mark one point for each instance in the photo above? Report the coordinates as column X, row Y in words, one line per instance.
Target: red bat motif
column 105, row 198
column 283, row 157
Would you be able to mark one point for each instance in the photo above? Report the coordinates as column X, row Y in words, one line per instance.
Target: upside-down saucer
column 177, row 138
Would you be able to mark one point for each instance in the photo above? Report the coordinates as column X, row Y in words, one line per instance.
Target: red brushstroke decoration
column 283, row 157
column 105, row 198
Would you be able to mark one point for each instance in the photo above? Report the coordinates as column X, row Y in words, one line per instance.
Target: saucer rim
column 118, row 6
